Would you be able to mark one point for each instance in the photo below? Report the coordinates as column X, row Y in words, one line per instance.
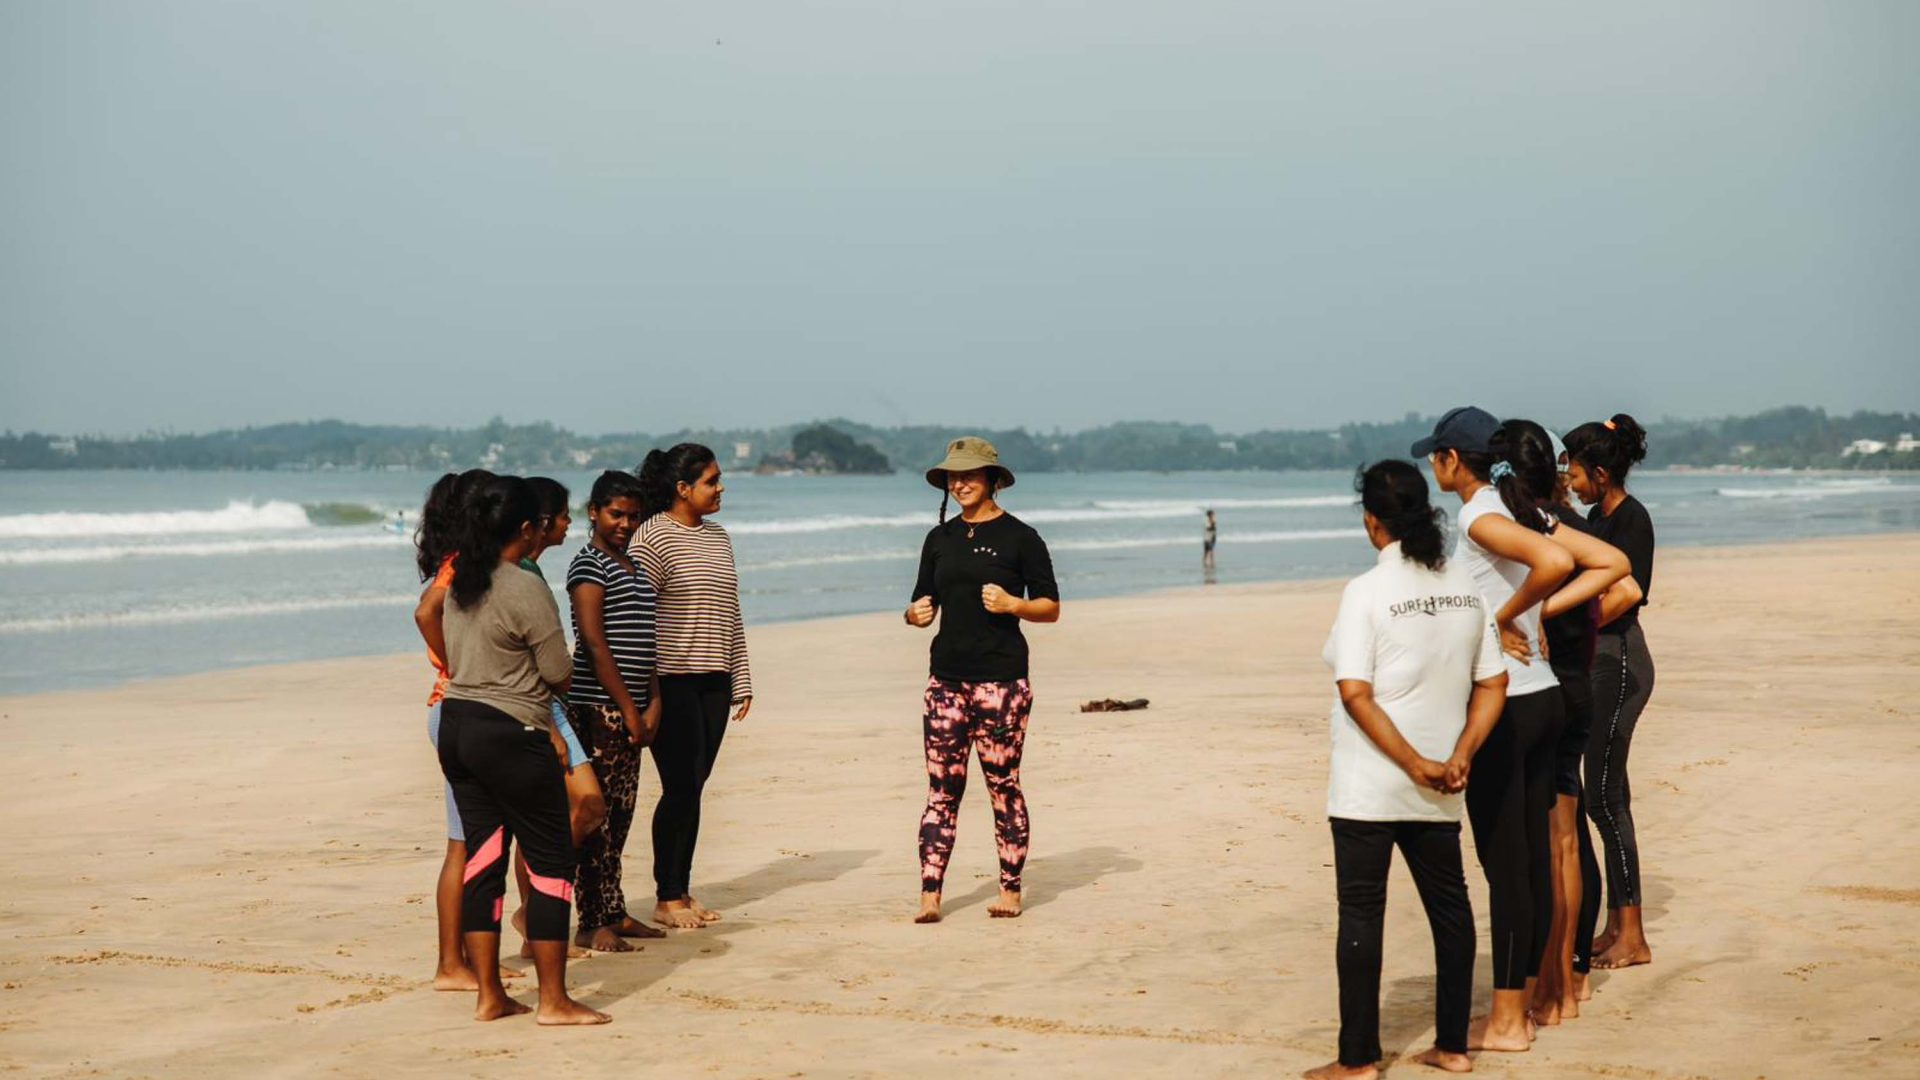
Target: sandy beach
column 229, row 875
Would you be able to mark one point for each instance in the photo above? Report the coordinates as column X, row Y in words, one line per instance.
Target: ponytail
column 663, row 471
column 1395, row 493
column 495, row 512
column 1524, row 471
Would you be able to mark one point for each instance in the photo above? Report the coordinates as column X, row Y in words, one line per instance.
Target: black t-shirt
column 1630, row 529
column 972, row 645
column 1570, row 634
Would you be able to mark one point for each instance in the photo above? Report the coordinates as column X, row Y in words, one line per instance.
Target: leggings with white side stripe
column 1622, row 683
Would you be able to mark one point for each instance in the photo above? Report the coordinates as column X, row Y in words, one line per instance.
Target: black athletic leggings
column 1510, row 795
column 693, row 720
column 1622, row 683
column 1576, row 691
column 1362, row 854
column 508, row 786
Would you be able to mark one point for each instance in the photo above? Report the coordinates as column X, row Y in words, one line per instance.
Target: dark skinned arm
column 1356, row 696
column 1488, row 700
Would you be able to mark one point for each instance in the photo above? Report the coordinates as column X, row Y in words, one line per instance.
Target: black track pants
column 1362, row 854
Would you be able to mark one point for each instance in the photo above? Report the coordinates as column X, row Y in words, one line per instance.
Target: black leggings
column 1509, row 799
column 508, row 786
column 1362, row 853
column 693, row 720
column 1576, row 691
column 1622, row 683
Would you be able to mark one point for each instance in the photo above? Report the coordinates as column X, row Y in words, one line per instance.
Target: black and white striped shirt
column 627, row 613
column 700, row 628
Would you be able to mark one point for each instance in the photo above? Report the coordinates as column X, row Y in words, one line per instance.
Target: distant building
column 1863, row 447
column 67, row 447
column 742, row 451
column 491, row 458
column 580, row 457
column 1907, row 444
column 1230, row 446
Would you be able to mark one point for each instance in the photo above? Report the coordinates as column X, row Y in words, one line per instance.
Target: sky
column 649, row 216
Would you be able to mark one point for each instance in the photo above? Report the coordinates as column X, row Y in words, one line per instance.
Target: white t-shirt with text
column 1422, row 638
column 1498, row 579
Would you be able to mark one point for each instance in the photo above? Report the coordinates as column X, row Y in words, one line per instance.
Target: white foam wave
column 1226, row 540
column 1819, row 490
column 1196, row 506
column 187, row 613
column 199, row 549
column 1120, row 543
column 236, row 517
column 1100, row 510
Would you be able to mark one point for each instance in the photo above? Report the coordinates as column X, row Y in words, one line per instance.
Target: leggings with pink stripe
column 991, row 718
column 509, row 786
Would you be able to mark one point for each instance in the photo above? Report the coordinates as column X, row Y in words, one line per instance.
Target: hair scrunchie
column 1500, row 471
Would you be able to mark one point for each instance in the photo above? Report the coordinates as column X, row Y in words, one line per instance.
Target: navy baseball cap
column 1465, row 428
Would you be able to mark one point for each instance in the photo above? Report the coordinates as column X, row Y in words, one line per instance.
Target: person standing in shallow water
column 982, row 573
column 1207, row 540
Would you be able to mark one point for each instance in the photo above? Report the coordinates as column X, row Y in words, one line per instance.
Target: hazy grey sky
column 641, row 215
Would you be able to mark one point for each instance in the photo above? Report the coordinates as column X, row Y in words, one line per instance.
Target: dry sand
column 229, row 874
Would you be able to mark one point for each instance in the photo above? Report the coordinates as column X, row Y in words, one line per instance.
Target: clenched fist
column 920, row 612
column 998, row 600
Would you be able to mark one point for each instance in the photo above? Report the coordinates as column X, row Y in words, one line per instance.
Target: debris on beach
column 1114, row 705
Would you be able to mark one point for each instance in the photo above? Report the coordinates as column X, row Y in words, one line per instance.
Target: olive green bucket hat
column 966, row 453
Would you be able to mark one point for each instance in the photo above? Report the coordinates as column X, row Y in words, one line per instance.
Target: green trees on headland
column 1780, row 438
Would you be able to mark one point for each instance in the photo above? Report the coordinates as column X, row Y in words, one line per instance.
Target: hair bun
column 1630, row 437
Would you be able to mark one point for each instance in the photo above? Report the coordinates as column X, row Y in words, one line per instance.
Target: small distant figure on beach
column 1208, row 539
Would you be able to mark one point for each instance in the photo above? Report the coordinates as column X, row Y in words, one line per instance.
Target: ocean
column 107, row 577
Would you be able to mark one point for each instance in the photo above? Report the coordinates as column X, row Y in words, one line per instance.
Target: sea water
column 112, row 576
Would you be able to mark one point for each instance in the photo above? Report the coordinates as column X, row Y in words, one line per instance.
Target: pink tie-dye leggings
column 992, row 718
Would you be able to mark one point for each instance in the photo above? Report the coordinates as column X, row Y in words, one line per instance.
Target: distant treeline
column 1780, row 438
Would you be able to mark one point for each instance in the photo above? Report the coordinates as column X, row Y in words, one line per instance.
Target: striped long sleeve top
column 698, row 629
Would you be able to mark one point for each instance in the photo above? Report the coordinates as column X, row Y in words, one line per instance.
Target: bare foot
column 1333, row 1070
column 1007, row 907
column 1545, row 1014
column 1569, row 1006
column 574, row 952
column 460, row 978
column 1582, row 988
column 604, row 939
column 1622, row 955
column 499, row 1009
column 929, row 908
column 570, row 1013
column 463, row 978
column 628, row 926
column 677, row 915
column 1444, row 1060
column 1604, row 941
column 1481, row 1035
column 707, row 915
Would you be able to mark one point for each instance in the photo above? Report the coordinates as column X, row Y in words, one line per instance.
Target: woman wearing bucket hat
column 983, row 573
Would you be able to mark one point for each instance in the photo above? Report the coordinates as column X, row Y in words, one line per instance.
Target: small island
column 825, row 451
